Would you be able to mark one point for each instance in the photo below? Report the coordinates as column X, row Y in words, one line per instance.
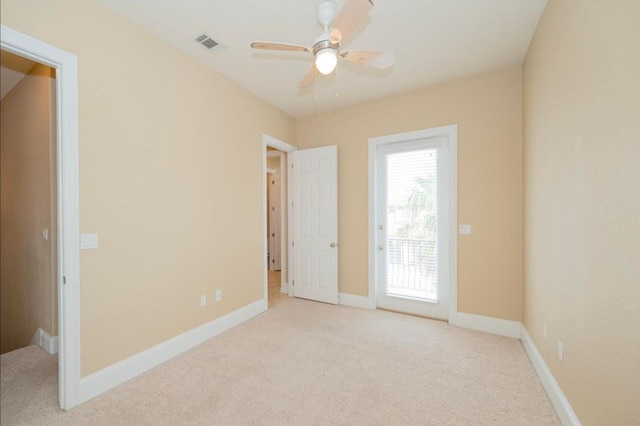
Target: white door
column 412, row 228
column 275, row 234
column 315, row 224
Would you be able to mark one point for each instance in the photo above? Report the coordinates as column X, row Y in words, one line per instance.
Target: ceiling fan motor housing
column 324, row 43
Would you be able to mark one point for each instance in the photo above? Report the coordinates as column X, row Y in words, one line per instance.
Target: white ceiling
column 435, row 40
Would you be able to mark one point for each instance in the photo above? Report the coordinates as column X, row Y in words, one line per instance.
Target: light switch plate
column 88, row 241
column 465, row 229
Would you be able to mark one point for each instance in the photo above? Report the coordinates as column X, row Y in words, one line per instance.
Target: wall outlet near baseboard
column 560, row 351
column 218, row 295
column 464, row 229
column 203, row 300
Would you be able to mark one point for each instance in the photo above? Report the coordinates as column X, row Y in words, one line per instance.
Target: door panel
column 275, row 233
column 315, row 218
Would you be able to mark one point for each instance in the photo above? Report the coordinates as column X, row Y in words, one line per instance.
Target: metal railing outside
column 412, row 268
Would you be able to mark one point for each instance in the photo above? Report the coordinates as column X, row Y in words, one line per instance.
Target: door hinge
column 64, row 279
column 293, row 243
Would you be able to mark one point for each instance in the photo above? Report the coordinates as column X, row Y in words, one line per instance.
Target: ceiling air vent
column 210, row 43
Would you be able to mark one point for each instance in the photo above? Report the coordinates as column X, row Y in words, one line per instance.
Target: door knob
column 380, row 247
column 333, row 245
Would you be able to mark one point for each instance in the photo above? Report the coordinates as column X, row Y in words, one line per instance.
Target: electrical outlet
column 544, row 330
column 203, row 300
column 560, row 351
column 218, row 295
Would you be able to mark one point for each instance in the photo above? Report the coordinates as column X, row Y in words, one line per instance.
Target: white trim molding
column 68, row 279
column 491, row 325
column 517, row 330
column 45, row 341
column 116, row 374
column 362, row 302
column 558, row 399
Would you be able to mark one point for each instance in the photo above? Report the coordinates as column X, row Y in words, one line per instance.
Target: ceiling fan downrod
column 324, row 50
column 326, row 14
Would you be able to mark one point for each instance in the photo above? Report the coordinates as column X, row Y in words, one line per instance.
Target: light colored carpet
column 306, row 363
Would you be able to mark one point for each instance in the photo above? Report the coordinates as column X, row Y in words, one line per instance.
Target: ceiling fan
column 326, row 48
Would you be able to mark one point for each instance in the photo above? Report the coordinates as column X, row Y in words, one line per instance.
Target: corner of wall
column 558, row 399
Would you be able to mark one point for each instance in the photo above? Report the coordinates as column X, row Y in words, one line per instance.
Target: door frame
column 68, row 262
column 285, row 222
column 451, row 133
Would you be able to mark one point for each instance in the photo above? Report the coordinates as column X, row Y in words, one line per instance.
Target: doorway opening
column 276, row 220
column 310, row 247
column 28, row 225
column 28, row 204
column 66, row 195
column 276, row 225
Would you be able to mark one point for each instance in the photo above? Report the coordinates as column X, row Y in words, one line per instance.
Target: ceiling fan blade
column 370, row 58
column 351, row 14
column 268, row 45
column 309, row 77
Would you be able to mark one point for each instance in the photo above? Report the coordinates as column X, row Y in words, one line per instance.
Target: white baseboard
column 110, row 377
column 560, row 403
column 491, row 325
column 517, row 330
column 51, row 345
column 46, row 342
column 354, row 301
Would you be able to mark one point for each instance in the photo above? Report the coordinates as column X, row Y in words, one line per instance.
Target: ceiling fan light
column 326, row 60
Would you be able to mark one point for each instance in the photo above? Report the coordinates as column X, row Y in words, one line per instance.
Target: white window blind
column 412, row 263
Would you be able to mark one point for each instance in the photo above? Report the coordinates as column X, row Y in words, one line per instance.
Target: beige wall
column 487, row 110
column 273, row 163
column 27, row 277
column 168, row 160
column 170, row 179
column 582, row 203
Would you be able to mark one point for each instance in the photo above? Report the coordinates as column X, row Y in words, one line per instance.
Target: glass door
column 411, row 225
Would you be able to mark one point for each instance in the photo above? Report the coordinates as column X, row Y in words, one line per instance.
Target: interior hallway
column 274, row 296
